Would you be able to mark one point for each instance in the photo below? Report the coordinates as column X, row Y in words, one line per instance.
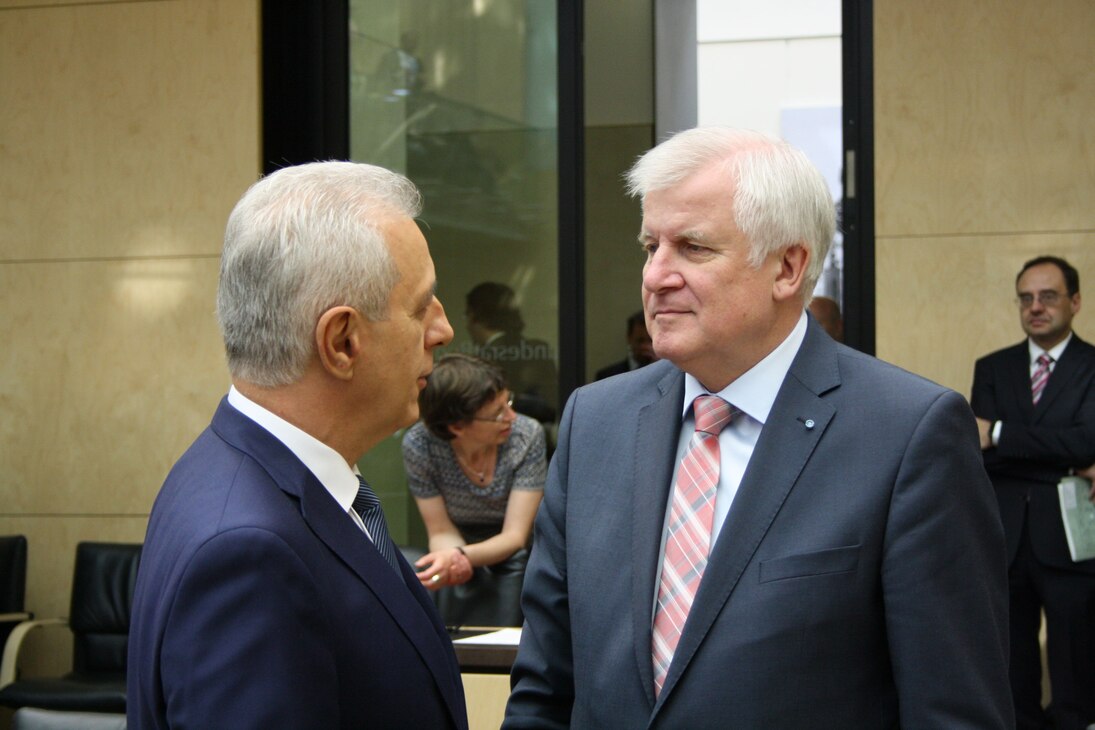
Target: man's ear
column 340, row 341
column 792, row 272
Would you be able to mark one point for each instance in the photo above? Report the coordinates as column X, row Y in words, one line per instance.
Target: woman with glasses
column 476, row 469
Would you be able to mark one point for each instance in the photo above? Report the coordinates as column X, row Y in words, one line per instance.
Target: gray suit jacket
column 859, row 580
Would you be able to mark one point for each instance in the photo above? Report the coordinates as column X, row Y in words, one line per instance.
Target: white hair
column 780, row 198
column 300, row 241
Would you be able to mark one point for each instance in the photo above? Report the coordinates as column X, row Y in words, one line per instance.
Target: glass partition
column 461, row 97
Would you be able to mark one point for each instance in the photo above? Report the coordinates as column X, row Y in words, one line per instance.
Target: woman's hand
column 442, row 568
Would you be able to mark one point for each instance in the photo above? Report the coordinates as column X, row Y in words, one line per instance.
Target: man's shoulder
column 867, row 376
column 634, row 387
column 615, row 368
column 1080, row 348
column 1019, row 349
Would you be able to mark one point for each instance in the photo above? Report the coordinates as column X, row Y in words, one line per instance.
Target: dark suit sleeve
column 246, row 645
column 1064, row 444
column 944, row 579
column 542, row 679
column 1063, row 438
column 983, row 395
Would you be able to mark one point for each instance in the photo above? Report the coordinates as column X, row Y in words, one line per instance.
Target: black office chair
column 31, row 718
column 491, row 598
column 102, row 597
column 13, row 584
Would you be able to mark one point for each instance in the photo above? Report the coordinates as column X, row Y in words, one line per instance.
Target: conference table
column 485, row 655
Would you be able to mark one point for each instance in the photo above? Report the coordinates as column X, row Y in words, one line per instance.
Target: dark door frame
column 857, row 206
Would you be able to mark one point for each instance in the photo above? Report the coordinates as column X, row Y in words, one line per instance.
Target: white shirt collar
column 755, row 390
column 1054, row 352
column 325, row 463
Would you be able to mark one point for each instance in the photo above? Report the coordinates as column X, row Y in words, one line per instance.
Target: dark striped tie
column 1040, row 377
column 367, row 505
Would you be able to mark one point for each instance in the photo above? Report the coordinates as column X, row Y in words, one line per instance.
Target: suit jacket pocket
column 822, row 562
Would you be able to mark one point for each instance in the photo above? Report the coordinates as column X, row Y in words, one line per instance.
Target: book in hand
column 1078, row 514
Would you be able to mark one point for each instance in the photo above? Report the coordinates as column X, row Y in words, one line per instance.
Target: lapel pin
column 807, row 422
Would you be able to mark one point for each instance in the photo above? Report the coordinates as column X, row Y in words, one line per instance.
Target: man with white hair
column 270, row 594
column 764, row 529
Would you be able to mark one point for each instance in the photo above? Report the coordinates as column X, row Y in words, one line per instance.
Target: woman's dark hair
column 457, row 388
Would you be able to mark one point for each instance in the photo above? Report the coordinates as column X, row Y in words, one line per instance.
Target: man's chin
column 412, row 417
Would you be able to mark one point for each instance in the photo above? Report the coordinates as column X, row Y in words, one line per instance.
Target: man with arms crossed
column 1035, row 403
column 269, row 593
column 823, row 553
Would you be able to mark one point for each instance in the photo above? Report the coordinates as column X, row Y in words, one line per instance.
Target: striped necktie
column 367, row 505
column 688, row 538
column 1040, row 377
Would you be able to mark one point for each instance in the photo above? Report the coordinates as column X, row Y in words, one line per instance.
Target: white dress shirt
column 753, row 393
column 325, row 463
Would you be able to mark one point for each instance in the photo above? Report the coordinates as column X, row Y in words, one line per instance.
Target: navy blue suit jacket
column 1038, row 444
column 859, row 580
column 260, row 604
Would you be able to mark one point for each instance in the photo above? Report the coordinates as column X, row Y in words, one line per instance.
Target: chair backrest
column 491, row 598
column 102, row 601
column 13, row 573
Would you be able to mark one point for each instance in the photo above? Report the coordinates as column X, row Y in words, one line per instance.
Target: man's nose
column 442, row 328
column 660, row 271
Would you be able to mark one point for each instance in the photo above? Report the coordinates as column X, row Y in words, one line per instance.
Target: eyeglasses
column 500, row 416
column 1045, row 298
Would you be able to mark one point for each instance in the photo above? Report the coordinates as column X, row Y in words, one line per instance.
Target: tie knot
column 1044, row 360
column 712, row 413
column 366, row 499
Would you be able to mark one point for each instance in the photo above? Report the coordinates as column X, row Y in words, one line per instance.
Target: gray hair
column 300, row 241
column 780, row 197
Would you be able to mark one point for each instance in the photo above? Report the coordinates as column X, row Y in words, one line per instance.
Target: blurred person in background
column 640, row 349
column 476, row 469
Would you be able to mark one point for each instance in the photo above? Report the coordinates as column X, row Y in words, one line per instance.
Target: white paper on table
column 501, row 637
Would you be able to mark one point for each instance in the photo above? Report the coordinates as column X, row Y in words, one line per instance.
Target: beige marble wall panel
column 126, row 129
column 5, row 4
column 983, row 116
column 945, row 301
column 110, row 369
column 51, row 554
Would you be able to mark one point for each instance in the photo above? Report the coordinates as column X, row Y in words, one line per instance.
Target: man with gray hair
column 764, row 529
column 269, row 592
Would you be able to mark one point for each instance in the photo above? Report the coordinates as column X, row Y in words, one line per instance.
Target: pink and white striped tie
column 688, row 542
column 1040, row 377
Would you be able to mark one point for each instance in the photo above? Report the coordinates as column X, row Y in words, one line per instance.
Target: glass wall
column 461, row 97
column 776, row 67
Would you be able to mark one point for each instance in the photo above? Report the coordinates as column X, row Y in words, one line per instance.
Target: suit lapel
column 795, row 425
column 658, row 425
column 400, row 597
column 418, row 622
